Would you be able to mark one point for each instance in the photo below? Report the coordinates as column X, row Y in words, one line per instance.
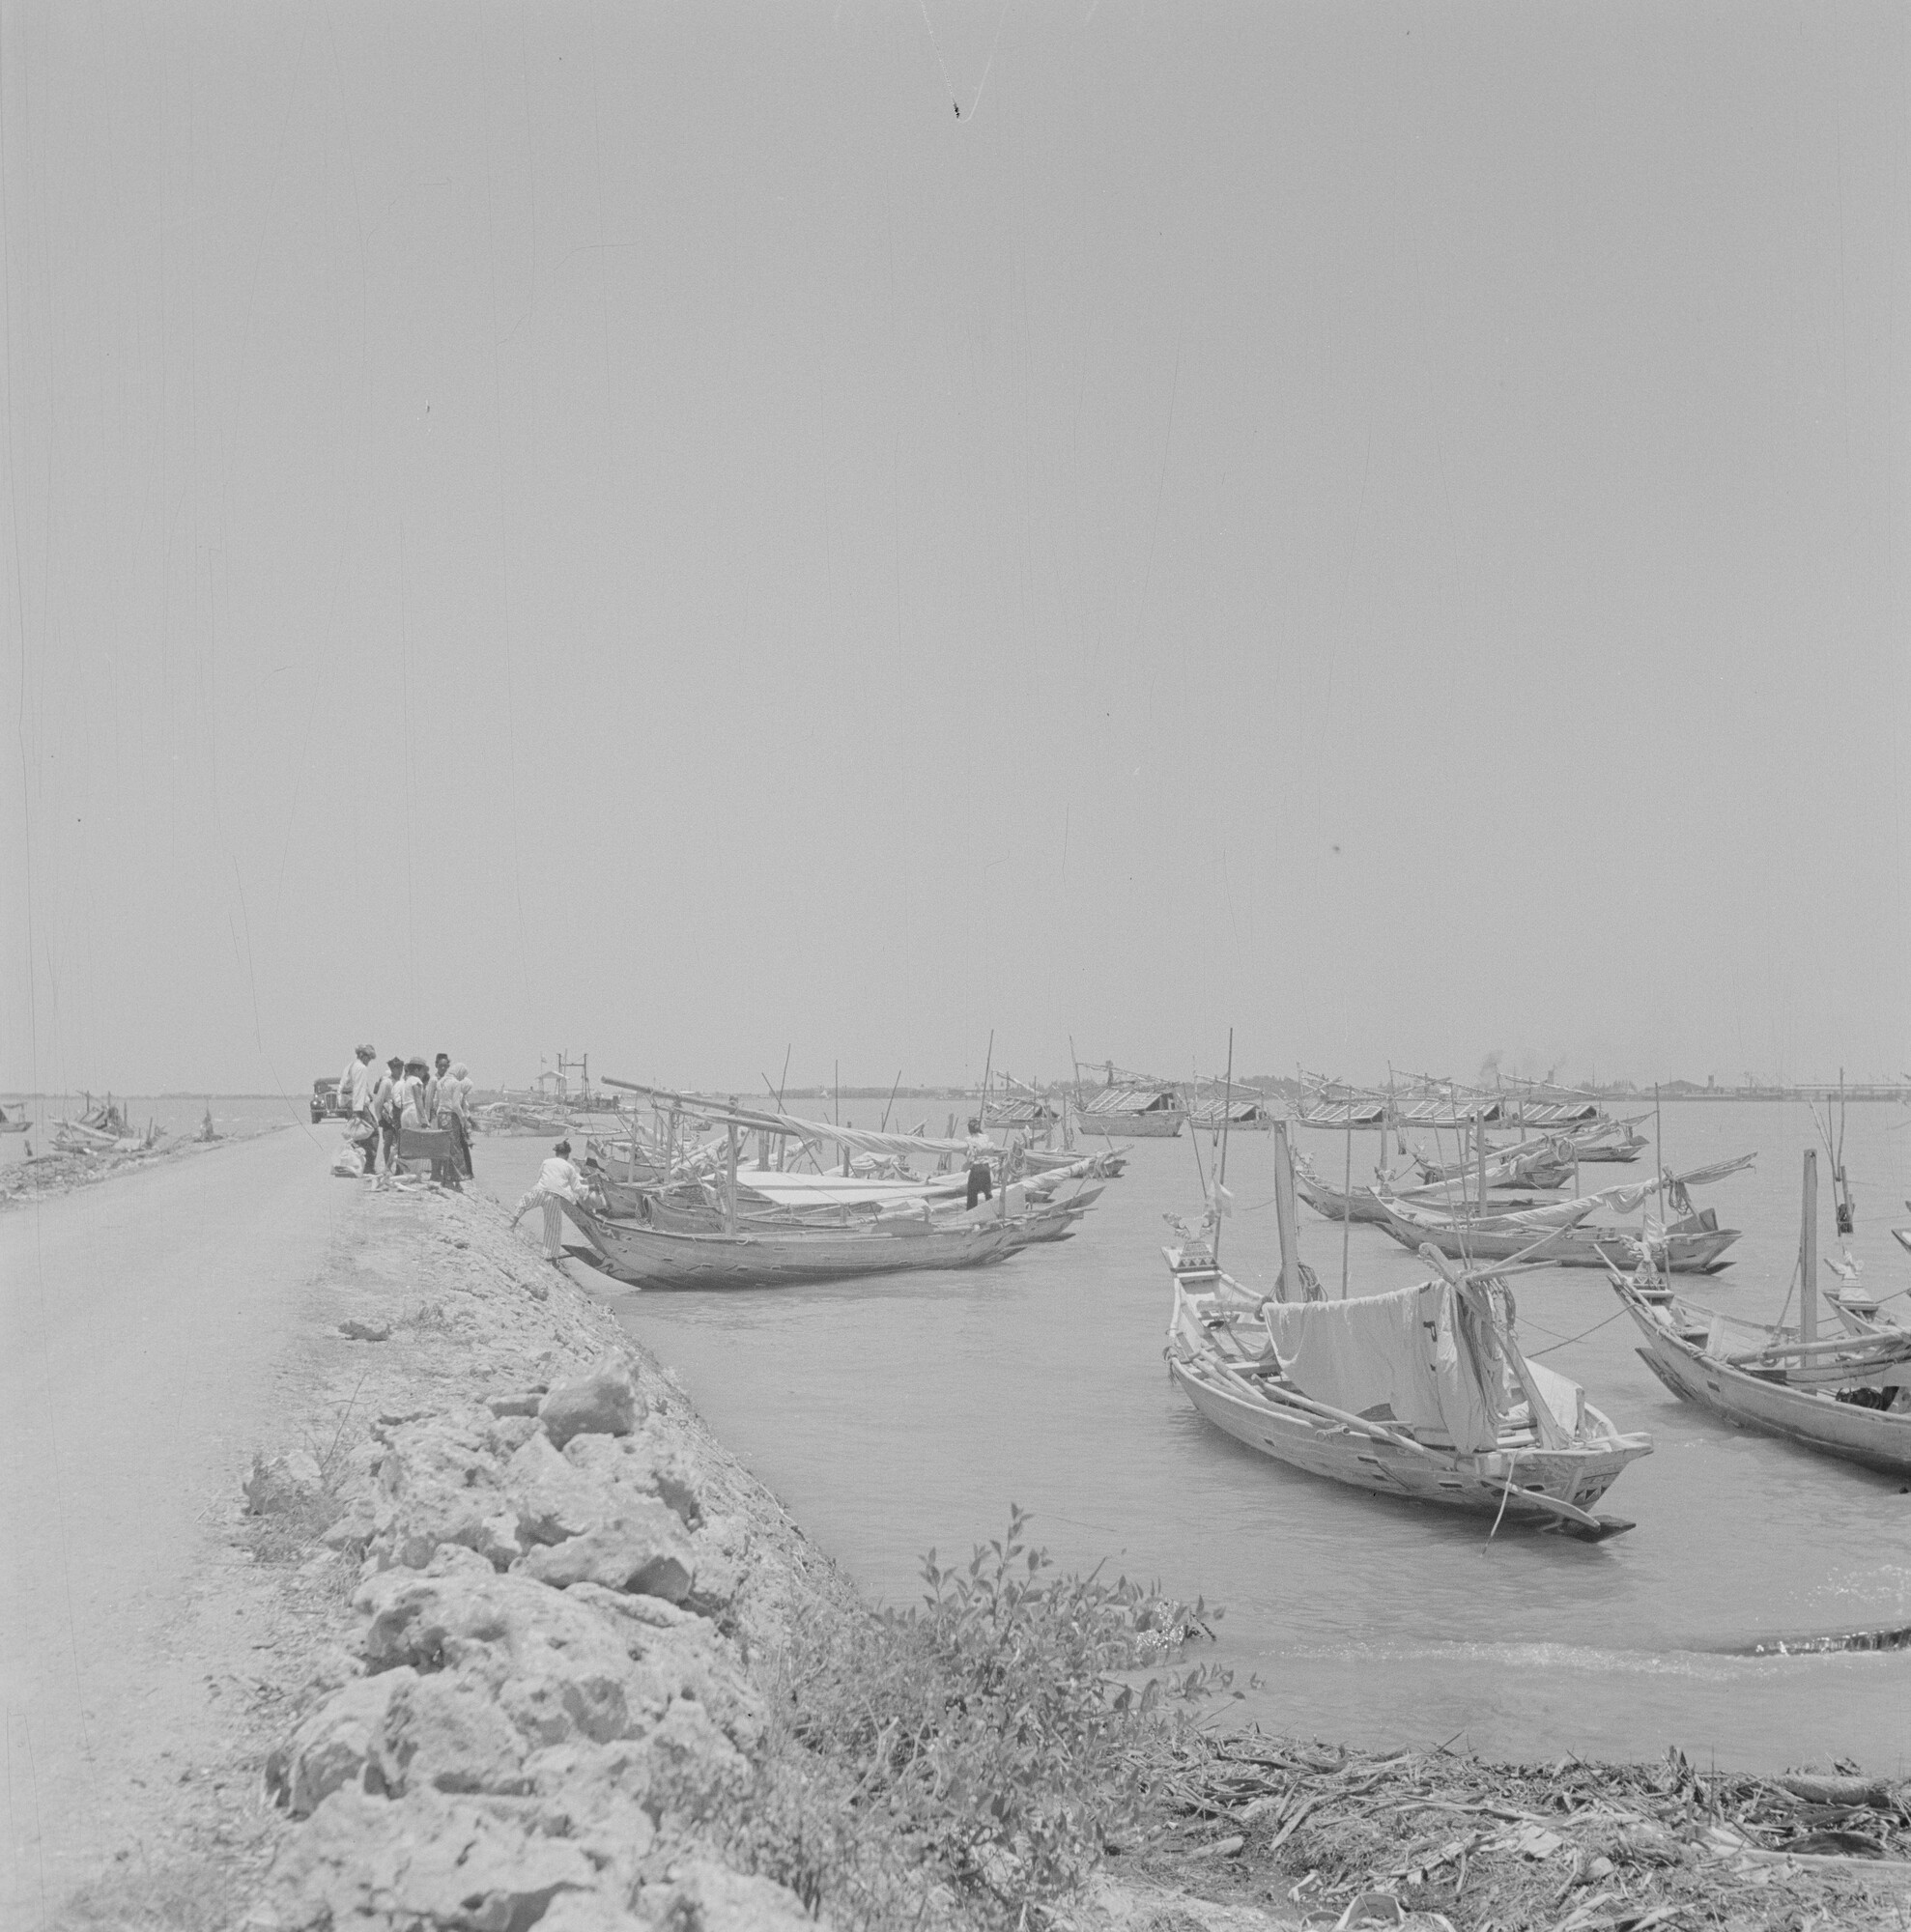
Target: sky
column 638, row 528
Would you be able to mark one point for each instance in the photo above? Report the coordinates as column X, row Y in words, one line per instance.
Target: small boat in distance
column 1422, row 1393
column 1133, row 1106
column 1846, row 1395
column 10, row 1126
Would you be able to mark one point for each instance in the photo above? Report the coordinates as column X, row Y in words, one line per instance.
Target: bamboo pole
column 1807, row 1252
column 1290, row 1287
column 1347, row 1203
column 1221, row 1179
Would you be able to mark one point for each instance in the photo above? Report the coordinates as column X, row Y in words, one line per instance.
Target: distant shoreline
column 1608, row 1097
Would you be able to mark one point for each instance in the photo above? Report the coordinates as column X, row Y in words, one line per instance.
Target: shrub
column 974, row 1755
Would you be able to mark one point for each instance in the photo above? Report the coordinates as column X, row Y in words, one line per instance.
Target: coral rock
column 449, row 1735
column 703, row 1896
column 440, row 1481
column 603, row 1402
column 332, row 1747
column 551, row 1497
column 454, row 1864
column 642, row 1548
column 276, row 1482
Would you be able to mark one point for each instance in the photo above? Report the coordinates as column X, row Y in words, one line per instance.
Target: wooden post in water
column 1807, row 1252
column 1287, row 1287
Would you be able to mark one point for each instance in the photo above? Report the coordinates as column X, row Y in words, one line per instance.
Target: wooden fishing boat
column 1846, row 1395
column 1538, row 1232
column 1337, row 1204
column 778, row 1257
column 1686, row 1247
column 1691, row 1246
column 1609, row 1140
column 8, row 1126
column 1135, row 1110
column 1351, row 1391
column 1520, row 1164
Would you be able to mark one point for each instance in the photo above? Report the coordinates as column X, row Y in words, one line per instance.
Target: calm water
column 895, row 1415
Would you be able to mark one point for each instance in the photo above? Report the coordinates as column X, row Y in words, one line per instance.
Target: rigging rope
column 1533, row 1355
column 988, row 65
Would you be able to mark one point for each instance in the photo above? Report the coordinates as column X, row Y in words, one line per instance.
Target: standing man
column 386, row 1104
column 441, row 1066
column 981, row 1185
column 454, row 1115
column 355, row 1091
column 356, row 1083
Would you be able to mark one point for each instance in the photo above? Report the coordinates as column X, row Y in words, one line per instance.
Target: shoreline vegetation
column 552, row 1656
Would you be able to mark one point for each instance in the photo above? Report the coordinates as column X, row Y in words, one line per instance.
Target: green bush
column 972, row 1757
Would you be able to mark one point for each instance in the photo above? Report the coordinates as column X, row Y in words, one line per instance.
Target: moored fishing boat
column 1422, row 1393
column 1537, row 1231
column 1691, row 1246
column 776, row 1257
column 1337, row 1204
column 1132, row 1105
column 1846, row 1395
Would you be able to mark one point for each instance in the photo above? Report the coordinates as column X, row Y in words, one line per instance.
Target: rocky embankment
column 531, row 1669
column 537, row 1700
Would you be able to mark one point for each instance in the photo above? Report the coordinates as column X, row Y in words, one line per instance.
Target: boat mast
column 1807, row 1252
column 1287, row 1287
column 1222, row 1174
column 1346, row 1194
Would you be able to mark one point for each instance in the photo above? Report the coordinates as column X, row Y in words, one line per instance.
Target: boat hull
column 660, row 1258
column 1867, row 1436
column 1362, row 1204
column 1475, row 1482
column 1162, row 1124
column 1565, row 1247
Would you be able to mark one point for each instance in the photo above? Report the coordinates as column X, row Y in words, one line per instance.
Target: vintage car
column 325, row 1101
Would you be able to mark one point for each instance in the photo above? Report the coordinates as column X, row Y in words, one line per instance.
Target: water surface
column 899, row 1414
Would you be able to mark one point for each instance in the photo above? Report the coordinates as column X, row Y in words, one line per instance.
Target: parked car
column 325, row 1101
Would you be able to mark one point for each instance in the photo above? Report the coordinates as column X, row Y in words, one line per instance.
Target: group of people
column 384, row 1101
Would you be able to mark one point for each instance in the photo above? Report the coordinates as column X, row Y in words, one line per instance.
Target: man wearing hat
column 356, row 1088
column 356, row 1083
column 386, row 1103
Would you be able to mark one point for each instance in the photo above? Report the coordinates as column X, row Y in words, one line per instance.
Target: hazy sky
column 635, row 527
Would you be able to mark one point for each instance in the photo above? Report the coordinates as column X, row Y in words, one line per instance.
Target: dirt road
column 141, row 1326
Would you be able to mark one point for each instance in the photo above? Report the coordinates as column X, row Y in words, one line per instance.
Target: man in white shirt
column 981, row 1184
column 361, row 1076
column 557, row 1180
column 354, row 1098
column 386, row 1104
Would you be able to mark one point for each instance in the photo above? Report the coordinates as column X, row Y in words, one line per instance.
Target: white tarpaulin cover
column 1399, row 1357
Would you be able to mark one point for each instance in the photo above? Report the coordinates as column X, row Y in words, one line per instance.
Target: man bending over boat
column 982, row 1183
column 557, row 1180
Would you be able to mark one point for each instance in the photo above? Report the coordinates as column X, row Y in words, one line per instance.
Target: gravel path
column 141, row 1328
